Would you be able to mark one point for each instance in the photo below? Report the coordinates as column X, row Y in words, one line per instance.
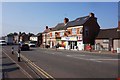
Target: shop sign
column 69, row 38
column 79, row 38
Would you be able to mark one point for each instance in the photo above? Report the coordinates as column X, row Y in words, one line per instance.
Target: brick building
column 73, row 34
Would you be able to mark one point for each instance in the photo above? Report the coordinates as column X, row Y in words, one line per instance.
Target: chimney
column 46, row 27
column 19, row 33
column 91, row 15
column 66, row 20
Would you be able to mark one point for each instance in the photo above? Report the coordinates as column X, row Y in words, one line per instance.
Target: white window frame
column 61, row 34
column 74, row 31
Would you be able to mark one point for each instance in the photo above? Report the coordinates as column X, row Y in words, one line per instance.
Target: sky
column 119, row 11
column 34, row 16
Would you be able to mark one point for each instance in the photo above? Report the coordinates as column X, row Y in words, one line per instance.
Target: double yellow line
column 28, row 75
column 41, row 71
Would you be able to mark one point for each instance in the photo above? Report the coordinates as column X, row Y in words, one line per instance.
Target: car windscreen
column 34, row 42
column 3, row 41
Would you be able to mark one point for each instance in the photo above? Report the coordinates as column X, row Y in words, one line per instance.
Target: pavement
column 85, row 51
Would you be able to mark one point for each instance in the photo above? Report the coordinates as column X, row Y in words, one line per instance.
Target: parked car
column 32, row 43
column 20, row 43
column 47, row 46
column 3, row 42
column 24, row 47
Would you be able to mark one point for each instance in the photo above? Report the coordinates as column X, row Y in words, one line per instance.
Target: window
column 86, row 32
column 48, row 35
column 53, row 34
column 74, row 32
column 106, row 41
column 81, row 31
column 61, row 34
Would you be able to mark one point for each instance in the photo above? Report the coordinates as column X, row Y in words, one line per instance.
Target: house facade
column 81, row 32
column 108, row 39
column 9, row 39
column 34, row 38
column 73, row 35
column 37, row 38
column 23, row 37
column 73, row 38
column 45, row 37
column 12, row 38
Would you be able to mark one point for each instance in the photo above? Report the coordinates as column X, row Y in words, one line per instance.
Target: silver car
column 3, row 42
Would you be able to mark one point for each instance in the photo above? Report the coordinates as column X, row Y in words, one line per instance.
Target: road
column 71, row 64
column 12, row 69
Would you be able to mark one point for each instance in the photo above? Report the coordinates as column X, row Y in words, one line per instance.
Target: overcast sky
column 34, row 16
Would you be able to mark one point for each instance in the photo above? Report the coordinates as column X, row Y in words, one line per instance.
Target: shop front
column 80, row 42
column 70, row 42
column 52, row 42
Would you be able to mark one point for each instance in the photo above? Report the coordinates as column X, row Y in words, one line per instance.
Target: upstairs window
column 81, row 30
column 86, row 32
column 61, row 34
column 53, row 34
column 74, row 31
column 48, row 35
column 105, row 41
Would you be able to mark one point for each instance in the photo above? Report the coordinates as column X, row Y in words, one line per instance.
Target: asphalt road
column 72, row 64
column 12, row 69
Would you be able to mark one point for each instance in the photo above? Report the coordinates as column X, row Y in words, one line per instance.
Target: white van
column 3, row 42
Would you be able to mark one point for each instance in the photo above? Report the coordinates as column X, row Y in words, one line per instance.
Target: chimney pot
column 66, row 20
column 46, row 27
column 91, row 15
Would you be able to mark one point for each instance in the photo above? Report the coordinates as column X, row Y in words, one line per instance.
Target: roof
column 78, row 22
column 59, row 26
column 46, row 30
column 39, row 34
column 108, row 33
column 34, row 36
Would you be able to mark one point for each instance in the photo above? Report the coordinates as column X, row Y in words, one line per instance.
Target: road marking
column 75, row 55
column 69, row 55
column 106, row 59
column 41, row 71
column 19, row 66
column 96, row 60
column 72, row 56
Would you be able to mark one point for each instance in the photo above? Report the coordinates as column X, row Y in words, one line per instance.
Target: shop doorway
column 72, row 44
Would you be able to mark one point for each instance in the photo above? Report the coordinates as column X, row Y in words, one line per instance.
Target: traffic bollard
column 19, row 55
column 12, row 50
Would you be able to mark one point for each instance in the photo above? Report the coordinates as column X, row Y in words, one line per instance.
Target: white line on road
column 106, row 59
column 95, row 60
